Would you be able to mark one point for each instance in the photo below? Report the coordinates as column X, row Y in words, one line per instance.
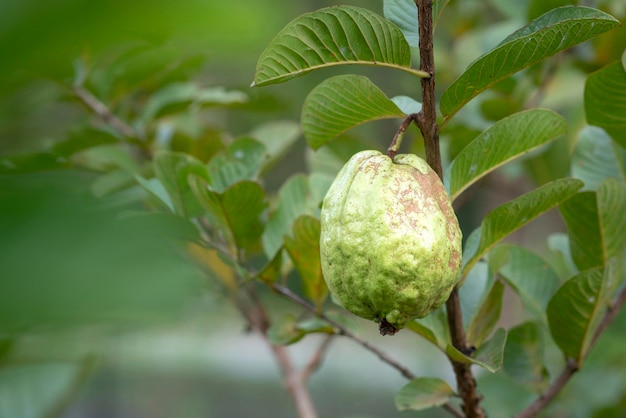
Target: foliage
column 148, row 191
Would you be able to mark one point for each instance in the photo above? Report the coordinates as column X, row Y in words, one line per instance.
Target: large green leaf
column 404, row 14
column 550, row 33
column 423, row 393
column 507, row 139
column 487, row 316
column 531, row 276
column 581, row 217
column 511, row 216
column 523, row 355
column 236, row 214
column 575, row 311
column 611, row 198
column 596, row 157
column 172, row 170
column 340, row 103
column 605, row 101
column 304, row 249
column 333, row 36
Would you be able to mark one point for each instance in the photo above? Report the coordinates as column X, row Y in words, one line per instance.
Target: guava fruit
column 390, row 241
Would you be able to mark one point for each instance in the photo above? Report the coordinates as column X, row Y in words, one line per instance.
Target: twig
column 397, row 138
column 572, row 366
column 316, row 359
column 427, row 122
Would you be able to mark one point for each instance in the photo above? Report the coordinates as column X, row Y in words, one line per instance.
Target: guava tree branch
column 427, row 123
column 572, row 366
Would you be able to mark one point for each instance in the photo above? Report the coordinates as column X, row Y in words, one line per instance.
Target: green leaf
column 292, row 202
column 242, row 160
column 423, row 393
column 407, row 104
column 278, row 137
column 333, row 36
column 172, row 170
column 531, row 276
column 475, row 288
column 272, row 270
column 237, row 214
column 611, row 198
column 605, row 103
column 28, row 163
column 506, row 140
column 506, row 219
column 285, row 331
column 487, row 316
column 581, row 217
column 596, row 157
column 83, row 139
column 340, row 103
column 304, row 249
column 524, row 355
column 575, row 311
column 489, row 355
column 404, row 14
column 433, row 328
column 555, row 31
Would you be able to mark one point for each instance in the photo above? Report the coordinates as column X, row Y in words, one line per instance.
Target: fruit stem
column 397, row 138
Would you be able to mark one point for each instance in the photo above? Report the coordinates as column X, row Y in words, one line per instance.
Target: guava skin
column 390, row 242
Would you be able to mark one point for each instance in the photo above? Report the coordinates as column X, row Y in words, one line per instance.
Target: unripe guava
column 390, row 241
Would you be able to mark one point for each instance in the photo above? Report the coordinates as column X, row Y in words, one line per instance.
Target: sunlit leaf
column 596, row 157
column 172, row 170
column 333, row 36
column 505, row 219
column 340, row 103
column 242, row 160
column 575, row 311
column 423, row 393
column 555, row 31
column 581, row 217
column 487, row 316
column 507, row 139
column 532, row 277
column 605, row 101
column 524, row 355
column 304, row 249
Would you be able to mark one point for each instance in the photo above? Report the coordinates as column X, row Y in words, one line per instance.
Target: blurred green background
column 106, row 319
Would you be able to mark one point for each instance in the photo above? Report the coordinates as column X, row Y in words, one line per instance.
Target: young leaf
column 523, row 355
column 237, row 213
column 596, row 157
column 423, row 393
column 581, row 217
column 340, row 103
column 575, row 310
column 511, row 216
column 604, row 101
column 507, row 139
column 304, row 249
column 487, row 316
column 172, row 170
column 611, row 199
column 550, row 33
column 532, row 278
column 333, row 36
column 242, row 160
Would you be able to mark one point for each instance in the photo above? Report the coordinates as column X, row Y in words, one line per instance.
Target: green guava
column 390, row 241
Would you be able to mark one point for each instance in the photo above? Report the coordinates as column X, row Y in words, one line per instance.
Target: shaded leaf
column 555, row 31
column 236, row 214
column 404, row 14
column 474, row 290
column 423, row 393
column 506, row 140
column 82, row 139
column 407, row 104
column 605, row 103
column 172, row 170
column 489, row 355
column 340, row 103
column 581, row 217
column 332, row 36
column 284, row 331
column 487, row 316
column 531, row 276
column 611, row 198
column 272, row 270
column 575, row 311
column 505, row 219
column 304, row 250
column 523, row 355
column 242, row 160
column 277, row 137
column 433, row 327
column 35, row 162
column 596, row 157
